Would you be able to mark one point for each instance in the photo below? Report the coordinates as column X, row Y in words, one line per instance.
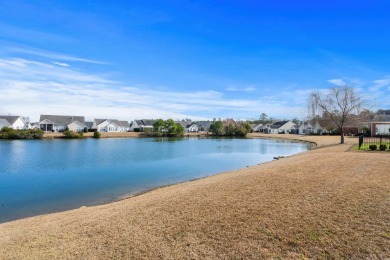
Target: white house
column 266, row 128
column 188, row 125
column 317, row 127
column 15, row 122
column 203, row 126
column 257, row 128
column 305, row 128
column 142, row 124
column 380, row 125
column 192, row 128
column 56, row 123
column 124, row 126
column 110, row 125
column 281, row 126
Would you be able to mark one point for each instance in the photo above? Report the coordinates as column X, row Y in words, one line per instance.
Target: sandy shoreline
column 327, row 202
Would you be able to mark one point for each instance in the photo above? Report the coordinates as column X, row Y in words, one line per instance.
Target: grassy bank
column 324, row 203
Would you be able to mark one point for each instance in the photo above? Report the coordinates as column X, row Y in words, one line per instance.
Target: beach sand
column 329, row 202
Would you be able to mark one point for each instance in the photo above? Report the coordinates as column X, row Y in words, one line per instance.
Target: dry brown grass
column 325, row 203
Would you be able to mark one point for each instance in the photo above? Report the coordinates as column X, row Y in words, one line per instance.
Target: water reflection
column 52, row 175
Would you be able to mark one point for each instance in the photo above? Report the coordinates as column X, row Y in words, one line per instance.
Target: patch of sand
column 324, row 203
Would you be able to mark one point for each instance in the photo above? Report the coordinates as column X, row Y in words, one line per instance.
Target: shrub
column 372, row 147
column 85, row 130
column 382, row 147
column 96, row 134
column 9, row 133
column 137, row 130
column 72, row 134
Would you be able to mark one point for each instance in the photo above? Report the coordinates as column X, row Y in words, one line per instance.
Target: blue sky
column 189, row 59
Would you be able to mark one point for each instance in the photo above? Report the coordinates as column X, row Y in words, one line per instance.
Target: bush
column 96, row 134
column 137, row 130
column 85, row 130
column 72, row 134
column 382, row 147
column 372, row 147
column 9, row 133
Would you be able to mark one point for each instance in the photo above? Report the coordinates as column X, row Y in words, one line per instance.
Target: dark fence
column 365, row 142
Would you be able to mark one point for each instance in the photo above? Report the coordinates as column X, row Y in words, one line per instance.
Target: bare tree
column 339, row 104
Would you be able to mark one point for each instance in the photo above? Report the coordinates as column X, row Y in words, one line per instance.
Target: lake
column 43, row 176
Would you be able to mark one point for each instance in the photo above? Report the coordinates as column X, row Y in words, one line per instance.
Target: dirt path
column 327, row 202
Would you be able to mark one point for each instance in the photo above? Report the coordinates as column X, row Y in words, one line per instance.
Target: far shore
column 55, row 135
column 331, row 202
column 315, row 140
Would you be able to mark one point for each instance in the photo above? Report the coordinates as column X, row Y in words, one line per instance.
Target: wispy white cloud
column 244, row 89
column 51, row 55
column 19, row 33
column 31, row 88
column 380, row 83
column 61, row 64
column 338, row 82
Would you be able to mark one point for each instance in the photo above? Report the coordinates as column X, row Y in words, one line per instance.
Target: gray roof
column 148, row 122
column 278, row 124
column 381, row 118
column 3, row 123
column 145, row 122
column 11, row 119
column 99, row 121
column 124, row 123
column 89, row 124
column 185, row 124
column 62, row 120
column 116, row 121
column 204, row 124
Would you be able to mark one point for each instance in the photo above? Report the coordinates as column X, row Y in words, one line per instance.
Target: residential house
column 4, row 123
column 380, row 125
column 266, row 128
column 256, row 128
column 203, row 126
column 58, row 123
column 188, row 125
column 192, row 128
column 89, row 124
column 318, row 127
column 281, row 127
column 142, row 124
column 294, row 129
column 124, row 126
column 305, row 128
column 15, row 122
column 110, row 125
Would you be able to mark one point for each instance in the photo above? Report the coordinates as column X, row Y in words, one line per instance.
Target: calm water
column 45, row 176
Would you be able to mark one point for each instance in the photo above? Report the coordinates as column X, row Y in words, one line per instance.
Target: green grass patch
column 366, row 147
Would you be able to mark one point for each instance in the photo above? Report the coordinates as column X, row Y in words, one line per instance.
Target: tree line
column 230, row 128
